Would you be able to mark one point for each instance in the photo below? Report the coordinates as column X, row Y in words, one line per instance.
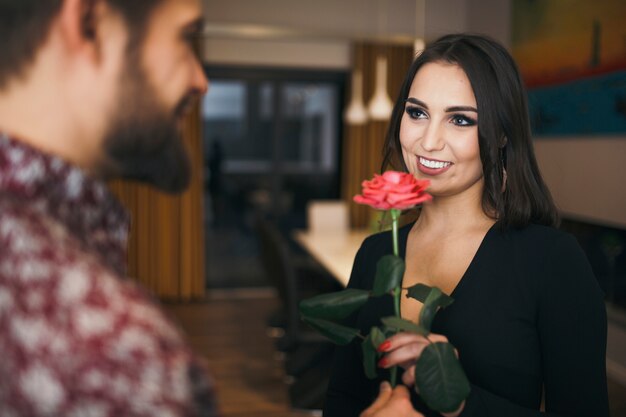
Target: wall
column 586, row 176
column 321, row 18
column 305, row 34
column 325, row 54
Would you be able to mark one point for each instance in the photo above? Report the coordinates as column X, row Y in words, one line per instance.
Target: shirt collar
column 63, row 191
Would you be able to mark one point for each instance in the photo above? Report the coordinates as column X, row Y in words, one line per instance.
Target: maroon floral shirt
column 76, row 337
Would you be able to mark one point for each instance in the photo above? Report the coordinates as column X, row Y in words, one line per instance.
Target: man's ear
column 79, row 23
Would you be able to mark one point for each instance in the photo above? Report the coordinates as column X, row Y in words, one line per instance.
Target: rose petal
column 400, row 188
column 393, row 177
column 413, row 202
column 377, row 195
column 393, row 189
column 393, row 198
column 382, row 205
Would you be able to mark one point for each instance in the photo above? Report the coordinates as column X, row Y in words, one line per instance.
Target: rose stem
column 395, row 214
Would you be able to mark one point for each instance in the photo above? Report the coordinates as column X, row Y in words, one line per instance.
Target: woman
column 528, row 320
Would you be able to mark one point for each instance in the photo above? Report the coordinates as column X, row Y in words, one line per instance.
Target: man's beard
column 144, row 142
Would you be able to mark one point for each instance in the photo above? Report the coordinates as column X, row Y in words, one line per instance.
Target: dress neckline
column 404, row 235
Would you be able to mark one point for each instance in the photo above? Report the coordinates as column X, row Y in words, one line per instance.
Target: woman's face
column 439, row 130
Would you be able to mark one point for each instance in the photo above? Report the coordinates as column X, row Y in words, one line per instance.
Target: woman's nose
column 432, row 139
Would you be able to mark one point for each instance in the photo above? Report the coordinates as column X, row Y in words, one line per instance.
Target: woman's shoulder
column 382, row 241
column 536, row 236
column 542, row 245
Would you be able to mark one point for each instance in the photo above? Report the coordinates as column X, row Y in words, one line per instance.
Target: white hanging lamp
column 418, row 46
column 380, row 106
column 356, row 113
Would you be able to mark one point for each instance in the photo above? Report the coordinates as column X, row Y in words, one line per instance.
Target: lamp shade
column 356, row 113
column 380, row 106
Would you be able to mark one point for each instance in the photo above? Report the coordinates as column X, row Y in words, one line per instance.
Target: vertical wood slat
column 362, row 148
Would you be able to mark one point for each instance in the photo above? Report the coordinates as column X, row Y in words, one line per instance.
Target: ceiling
column 397, row 21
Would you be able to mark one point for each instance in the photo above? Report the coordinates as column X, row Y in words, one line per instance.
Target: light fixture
column 356, row 113
column 418, row 46
column 380, row 106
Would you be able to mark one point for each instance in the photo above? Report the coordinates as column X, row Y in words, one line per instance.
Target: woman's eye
column 415, row 113
column 461, row 120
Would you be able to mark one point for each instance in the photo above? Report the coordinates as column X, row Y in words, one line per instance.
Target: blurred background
column 294, row 120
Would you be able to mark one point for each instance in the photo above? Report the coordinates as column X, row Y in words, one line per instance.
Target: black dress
column 528, row 316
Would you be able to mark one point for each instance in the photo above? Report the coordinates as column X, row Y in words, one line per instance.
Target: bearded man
column 90, row 90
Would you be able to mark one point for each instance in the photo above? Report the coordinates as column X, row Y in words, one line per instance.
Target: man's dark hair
column 24, row 27
column 504, row 135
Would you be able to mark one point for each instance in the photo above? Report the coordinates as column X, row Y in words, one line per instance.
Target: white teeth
column 433, row 164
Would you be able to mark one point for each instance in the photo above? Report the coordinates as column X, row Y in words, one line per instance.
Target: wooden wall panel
column 362, row 148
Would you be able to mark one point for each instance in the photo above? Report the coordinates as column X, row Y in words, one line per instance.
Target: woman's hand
column 403, row 349
column 392, row 403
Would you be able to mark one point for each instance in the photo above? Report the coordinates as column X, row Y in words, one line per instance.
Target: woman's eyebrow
column 420, row 103
column 451, row 109
column 461, row 108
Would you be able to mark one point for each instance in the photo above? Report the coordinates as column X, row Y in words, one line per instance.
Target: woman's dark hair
column 24, row 26
column 504, row 135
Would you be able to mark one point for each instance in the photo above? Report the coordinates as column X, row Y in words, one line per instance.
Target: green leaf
column 342, row 335
column 377, row 337
column 422, row 291
column 335, row 305
column 389, row 273
column 433, row 299
column 370, row 354
column 433, row 302
column 403, row 325
column 440, row 379
column 419, row 292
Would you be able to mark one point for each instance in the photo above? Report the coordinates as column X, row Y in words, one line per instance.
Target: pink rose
column 393, row 190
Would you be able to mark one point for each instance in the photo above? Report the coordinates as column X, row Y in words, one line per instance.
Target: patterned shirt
column 76, row 338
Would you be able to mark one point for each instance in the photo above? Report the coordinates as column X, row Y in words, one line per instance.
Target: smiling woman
column 528, row 315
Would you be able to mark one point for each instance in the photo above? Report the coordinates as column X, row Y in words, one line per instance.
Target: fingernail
column 384, row 347
column 385, row 386
column 382, row 363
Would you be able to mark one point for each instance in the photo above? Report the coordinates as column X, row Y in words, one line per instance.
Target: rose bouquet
column 439, row 377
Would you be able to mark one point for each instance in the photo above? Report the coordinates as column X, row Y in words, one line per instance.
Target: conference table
column 335, row 251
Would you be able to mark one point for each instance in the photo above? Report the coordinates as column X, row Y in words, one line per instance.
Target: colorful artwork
column 572, row 54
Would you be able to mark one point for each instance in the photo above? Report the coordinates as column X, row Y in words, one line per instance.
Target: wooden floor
column 230, row 333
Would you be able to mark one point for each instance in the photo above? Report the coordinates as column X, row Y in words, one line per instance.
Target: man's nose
column 199, row 80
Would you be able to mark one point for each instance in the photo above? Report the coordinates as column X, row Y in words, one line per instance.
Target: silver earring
column 502, row 158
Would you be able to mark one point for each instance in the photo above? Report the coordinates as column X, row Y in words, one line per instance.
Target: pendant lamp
column 418, row 46
column 356, row 113
column 380, row 106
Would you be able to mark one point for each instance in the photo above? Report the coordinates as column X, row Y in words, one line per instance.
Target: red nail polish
column 382, row 363
column 384, row 347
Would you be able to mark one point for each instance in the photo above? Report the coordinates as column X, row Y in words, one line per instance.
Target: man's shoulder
column 39, row 254
column 88, row 333
column 25, row 227
column 35, row 247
